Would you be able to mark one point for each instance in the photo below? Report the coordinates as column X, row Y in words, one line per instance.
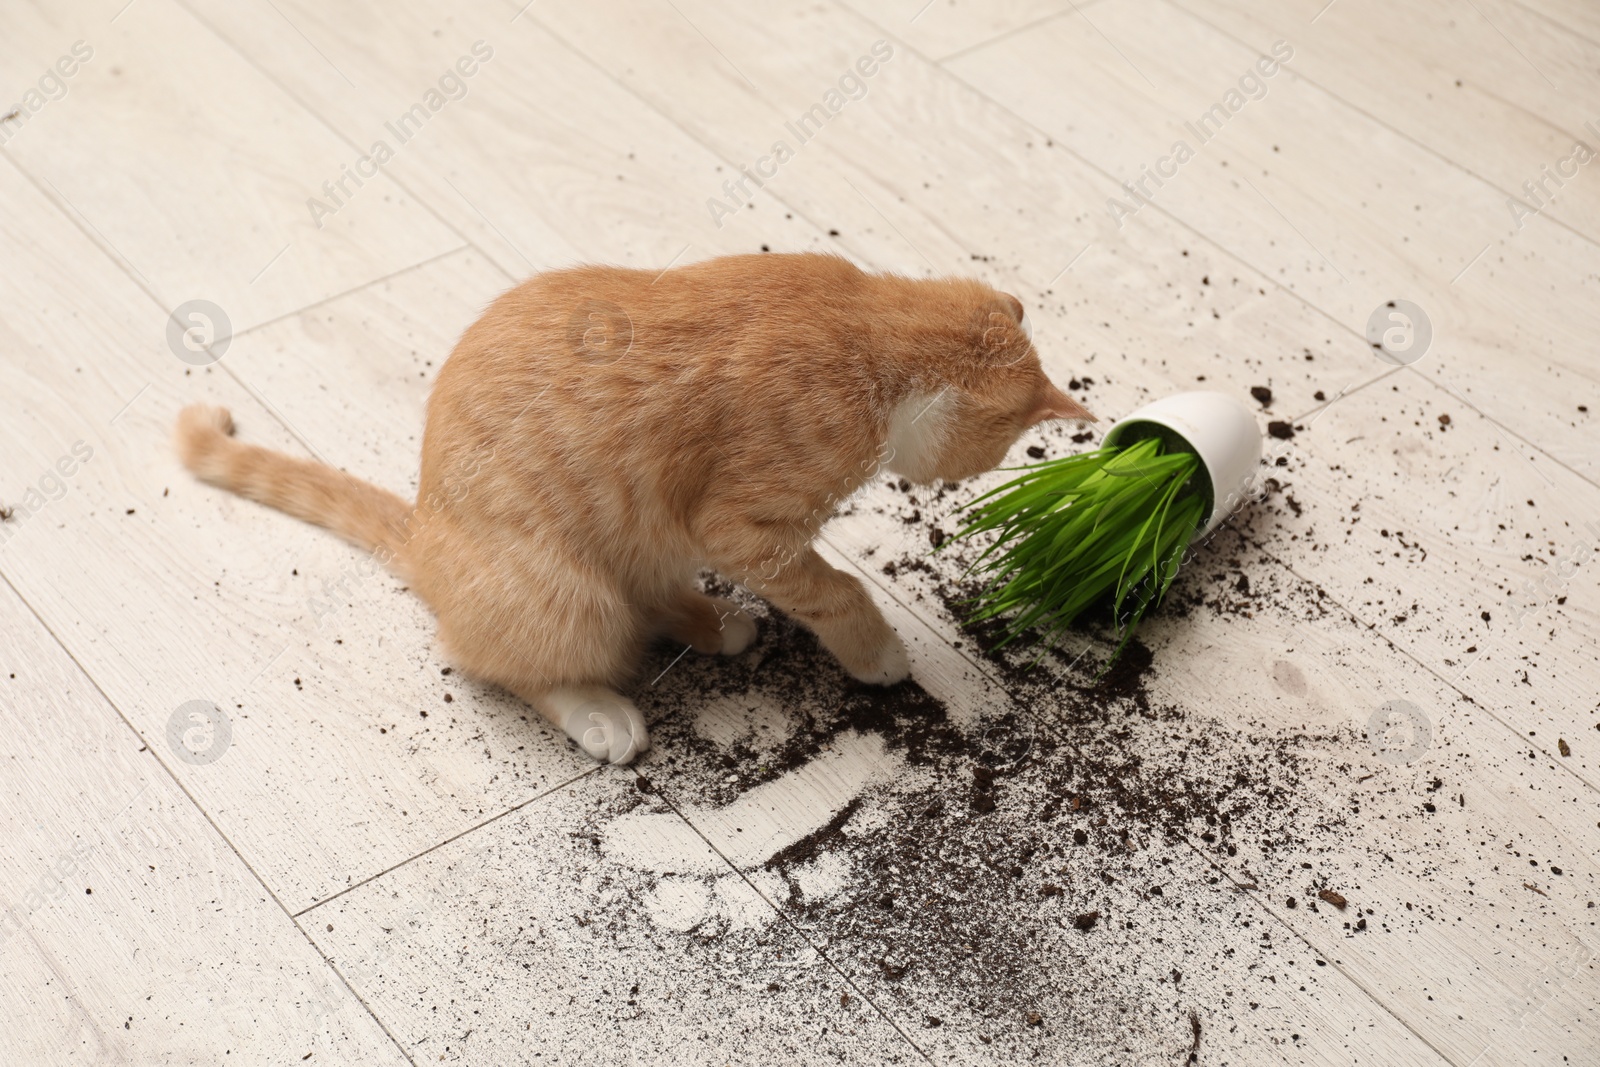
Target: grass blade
column 1103, row 527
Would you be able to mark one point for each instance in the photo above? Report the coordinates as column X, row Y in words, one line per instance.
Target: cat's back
column 599, row 335
column 576, row 312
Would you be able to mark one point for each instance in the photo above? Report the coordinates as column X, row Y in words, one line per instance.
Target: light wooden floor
column 360, row 858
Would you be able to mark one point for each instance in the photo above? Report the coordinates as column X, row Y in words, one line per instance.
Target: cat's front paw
column 738, row 630
column 609, row 728
column 888, row 665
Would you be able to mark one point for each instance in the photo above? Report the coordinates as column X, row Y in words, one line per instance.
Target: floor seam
column 132, row 274
column 314, row 113
column 694, row 138
column 1371, row 627
column 1013, row 32
column 445, row 841
column 784, row 917
column 146, row 747
column 352, row 291
column 1562, row 26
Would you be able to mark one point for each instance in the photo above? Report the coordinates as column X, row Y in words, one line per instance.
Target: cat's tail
column 373, row 518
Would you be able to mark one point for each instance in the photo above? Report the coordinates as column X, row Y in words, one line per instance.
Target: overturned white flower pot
column 1217, row 428
column 1111, row 526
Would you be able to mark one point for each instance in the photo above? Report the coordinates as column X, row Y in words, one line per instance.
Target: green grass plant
column 1108, row 526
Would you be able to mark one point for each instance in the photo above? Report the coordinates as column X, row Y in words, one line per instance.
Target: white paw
column 891, row 664
column 609, row 728
column 738, row 629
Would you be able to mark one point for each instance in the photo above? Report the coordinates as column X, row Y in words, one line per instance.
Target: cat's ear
column 1052, row 403
column 1018, row 313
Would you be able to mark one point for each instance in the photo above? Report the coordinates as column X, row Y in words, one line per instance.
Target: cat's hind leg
column 600, row 720
column 603, row 722
column 558, row 635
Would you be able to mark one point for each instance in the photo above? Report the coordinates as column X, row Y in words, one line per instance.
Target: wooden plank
column 524, row 942
column 1261, row 188
column 382, row 404
column 296, row 356
column 1578, row 17
column 354, row 374
column 1466, row 570
column 1487, row 571
column 130, row 931
column 200, row 194
column 635, row 195
column 349, row 377
column 345, row 757
column 1499, row 90
column 897, row 163
column 941, row 28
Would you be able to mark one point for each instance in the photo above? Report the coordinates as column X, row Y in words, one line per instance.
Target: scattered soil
column 1281, row 430
column 807, row 847
column 1262, row 394
column 969, row 876
column 1058, row 809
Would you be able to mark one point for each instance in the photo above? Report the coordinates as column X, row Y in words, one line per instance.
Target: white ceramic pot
column 1218, row 428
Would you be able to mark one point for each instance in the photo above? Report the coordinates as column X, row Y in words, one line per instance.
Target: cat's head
column 989, row 387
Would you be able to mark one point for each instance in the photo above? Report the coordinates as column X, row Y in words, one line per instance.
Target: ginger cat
column 601, row 434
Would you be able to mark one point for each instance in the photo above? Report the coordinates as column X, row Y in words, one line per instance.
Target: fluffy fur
column 601, row 434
